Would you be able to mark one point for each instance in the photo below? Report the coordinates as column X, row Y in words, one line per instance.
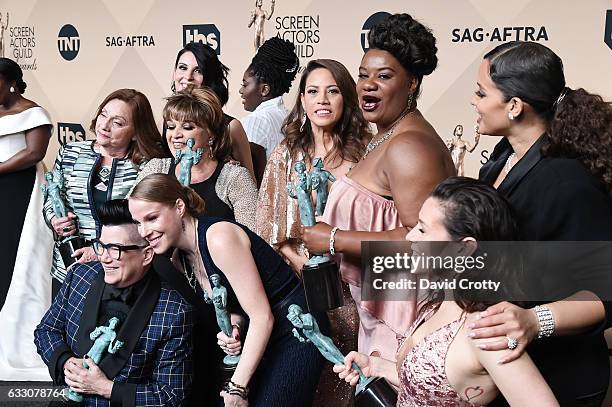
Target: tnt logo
column 205, row 33
column 367, row 26
column 608, row 32
column 68, row 42
column 69, row 132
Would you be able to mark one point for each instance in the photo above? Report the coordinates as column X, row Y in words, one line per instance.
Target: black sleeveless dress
column 289, row 371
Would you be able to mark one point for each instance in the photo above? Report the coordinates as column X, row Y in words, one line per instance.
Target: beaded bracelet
column 332, row 240
column 546, row 321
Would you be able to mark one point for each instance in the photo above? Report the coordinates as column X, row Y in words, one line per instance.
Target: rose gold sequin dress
column 422, row 373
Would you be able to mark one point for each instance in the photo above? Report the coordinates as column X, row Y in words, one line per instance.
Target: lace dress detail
column 422, row 373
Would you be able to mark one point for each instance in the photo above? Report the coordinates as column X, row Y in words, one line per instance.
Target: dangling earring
column 12, row 89
column 410, row 101
column 183, row 224
column 173, row 87
column 304, row 117
column 510, row 116
column 210, row 144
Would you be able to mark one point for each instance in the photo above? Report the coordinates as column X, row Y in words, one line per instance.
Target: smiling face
column 322, row 100
column 132, row 265
column 187, row 72
column 384, row 87
column 251, row 92
column 114, row 125
column 158, row 223
column 490, row 104
column 179, row 132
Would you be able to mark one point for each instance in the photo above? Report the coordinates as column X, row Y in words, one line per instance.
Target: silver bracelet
column 546, row 321
column 332, row 240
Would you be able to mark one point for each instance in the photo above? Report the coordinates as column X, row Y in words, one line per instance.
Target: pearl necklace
column 509, row 164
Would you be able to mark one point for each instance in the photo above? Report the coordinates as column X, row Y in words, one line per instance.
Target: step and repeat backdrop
column 74, row 53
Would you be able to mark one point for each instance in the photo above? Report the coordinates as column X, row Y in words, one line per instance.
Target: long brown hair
column 147, row 137
column 166, row 189
column 202, row 107
column 351, row 132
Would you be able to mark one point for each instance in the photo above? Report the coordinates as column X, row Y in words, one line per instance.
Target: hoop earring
column 304, row 118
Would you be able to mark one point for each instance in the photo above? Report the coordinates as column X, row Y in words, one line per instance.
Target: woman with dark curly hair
column 381, row 196
column 265, row 81
column 554, row 165
column 198, row 65
column 438, row 364
column 325, row 123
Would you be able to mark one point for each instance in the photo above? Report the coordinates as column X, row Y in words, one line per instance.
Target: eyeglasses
column 114, row 250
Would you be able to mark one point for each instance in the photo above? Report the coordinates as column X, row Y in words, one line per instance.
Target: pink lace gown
column 422, row 373
column 350, row 206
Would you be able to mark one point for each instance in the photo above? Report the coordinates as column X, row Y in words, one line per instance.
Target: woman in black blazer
column 554, row 166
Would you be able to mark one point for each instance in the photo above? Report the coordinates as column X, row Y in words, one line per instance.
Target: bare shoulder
column 224, row 235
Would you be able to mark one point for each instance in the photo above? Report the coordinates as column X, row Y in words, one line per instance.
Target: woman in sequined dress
column 326, row 122
column 437, row 361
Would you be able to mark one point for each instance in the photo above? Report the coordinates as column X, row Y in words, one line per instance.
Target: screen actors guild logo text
column 68, row 42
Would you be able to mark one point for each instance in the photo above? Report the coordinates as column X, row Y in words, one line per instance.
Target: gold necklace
column 192, row 279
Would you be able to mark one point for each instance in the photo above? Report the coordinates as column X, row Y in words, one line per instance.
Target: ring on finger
column 66, row 229
column 512, row 343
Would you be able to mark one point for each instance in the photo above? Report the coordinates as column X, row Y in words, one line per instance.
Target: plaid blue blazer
column 153, row 368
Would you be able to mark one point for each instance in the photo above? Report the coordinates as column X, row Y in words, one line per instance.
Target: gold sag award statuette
column 3, row 26
column 258, row 18
column 457, row 147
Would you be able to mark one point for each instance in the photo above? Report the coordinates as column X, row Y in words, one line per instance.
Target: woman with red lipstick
column 198, row 65
column 380, row 197
column 103, row 169
column 227, row 187
column 325, row 122
column 275, row 368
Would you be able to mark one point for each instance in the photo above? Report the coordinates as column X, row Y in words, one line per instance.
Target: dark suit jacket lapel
column 89, row 316
column 133, row 326
column 491, row 169
column 522, row 168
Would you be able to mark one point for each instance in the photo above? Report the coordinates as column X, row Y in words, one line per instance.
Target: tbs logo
column 608, row 29
column 69, row 132
column 68, row 42
column 367, row 26
column 205, row 33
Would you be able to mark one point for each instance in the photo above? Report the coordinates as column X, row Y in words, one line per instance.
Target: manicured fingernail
column 482, row 346
column 471, row 326
column 501, row 361
column 472, row 334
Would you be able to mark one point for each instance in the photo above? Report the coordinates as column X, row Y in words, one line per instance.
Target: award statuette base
column 322, row 284
column 375, row 392
column 228, row 366
column 68, row 246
